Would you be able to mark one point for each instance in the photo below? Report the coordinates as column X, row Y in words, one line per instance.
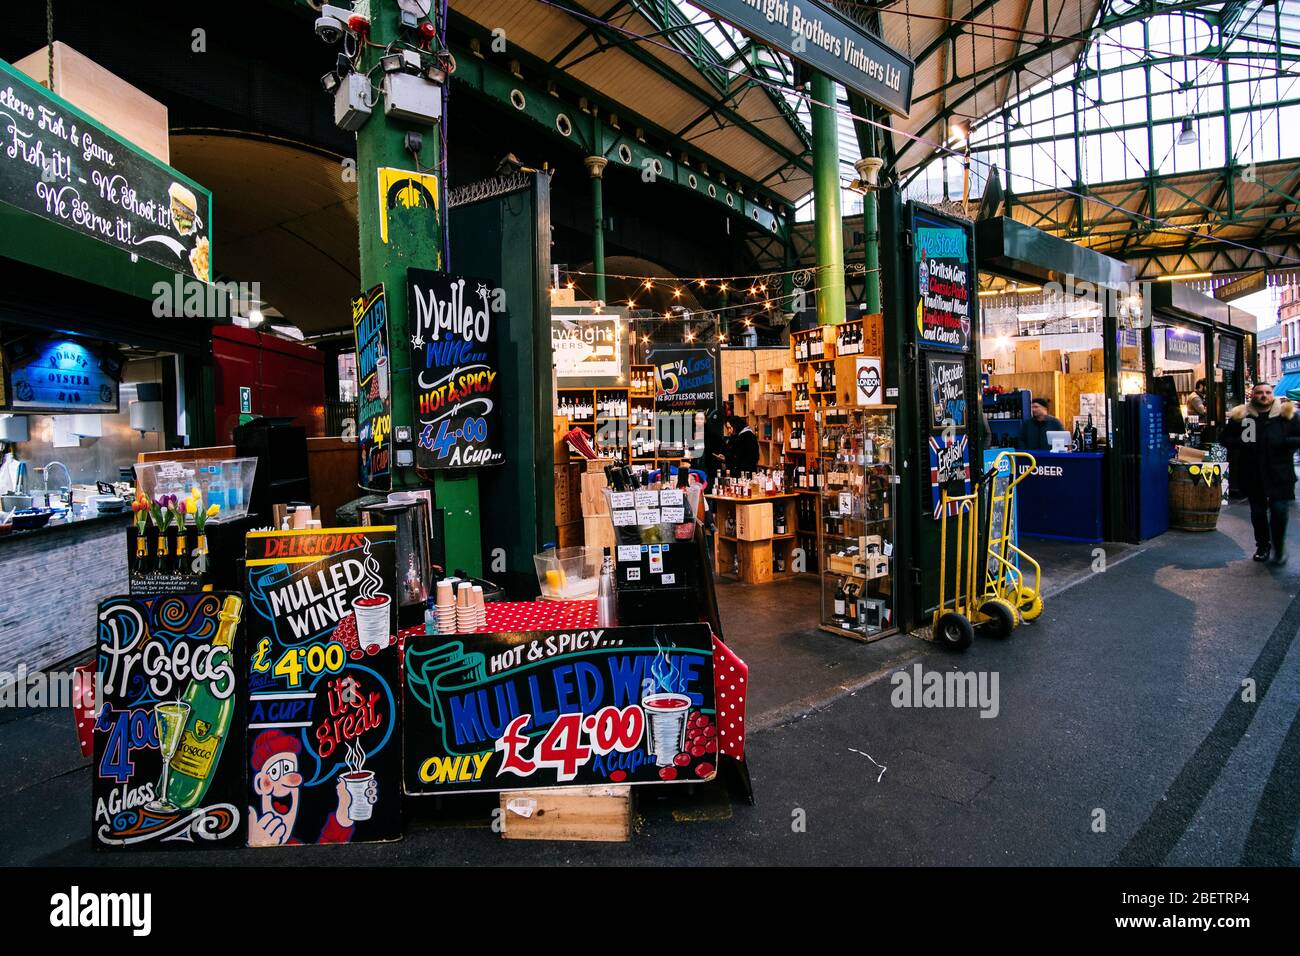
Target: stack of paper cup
column 465, row 613
column 480, row 609
column 446, row 608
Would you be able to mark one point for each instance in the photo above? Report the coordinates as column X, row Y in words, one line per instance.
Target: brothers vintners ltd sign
column 813, row 32
column 60, row 165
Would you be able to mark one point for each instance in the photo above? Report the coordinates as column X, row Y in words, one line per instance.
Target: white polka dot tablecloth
column 730, row 673
column 83, row 707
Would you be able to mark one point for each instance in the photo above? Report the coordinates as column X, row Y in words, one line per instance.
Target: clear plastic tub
column 568, row 574
column 226, row 482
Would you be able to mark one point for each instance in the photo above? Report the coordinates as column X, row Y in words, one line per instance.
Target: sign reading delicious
column 61, row 166
column 454, row 323
column 827, row 41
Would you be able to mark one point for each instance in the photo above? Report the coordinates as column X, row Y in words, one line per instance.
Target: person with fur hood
column 1263, row 436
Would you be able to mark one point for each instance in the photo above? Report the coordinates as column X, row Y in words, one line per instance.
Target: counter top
column 55, row 527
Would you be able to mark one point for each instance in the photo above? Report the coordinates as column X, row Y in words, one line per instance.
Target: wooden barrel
column 1195, row 495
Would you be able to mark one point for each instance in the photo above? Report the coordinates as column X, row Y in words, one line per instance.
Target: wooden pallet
column 600, row 814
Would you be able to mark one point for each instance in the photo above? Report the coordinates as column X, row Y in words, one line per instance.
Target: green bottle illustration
column 212, row 704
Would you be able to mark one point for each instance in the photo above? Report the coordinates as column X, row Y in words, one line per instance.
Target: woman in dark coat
column 742, row 447
column 1262, row 437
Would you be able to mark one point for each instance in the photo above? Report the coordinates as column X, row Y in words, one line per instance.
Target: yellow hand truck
column 1007, row 563
column 972, row 608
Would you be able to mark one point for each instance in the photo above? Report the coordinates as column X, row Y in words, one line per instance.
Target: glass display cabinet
column 857, row 521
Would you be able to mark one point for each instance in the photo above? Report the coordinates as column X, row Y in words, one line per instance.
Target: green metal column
column 414, row 239
column 826, row 203
column 596, row 166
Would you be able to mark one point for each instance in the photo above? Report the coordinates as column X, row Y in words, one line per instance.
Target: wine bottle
column 211, row 706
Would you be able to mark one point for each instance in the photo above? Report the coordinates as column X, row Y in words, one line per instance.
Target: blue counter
column 1063, row 497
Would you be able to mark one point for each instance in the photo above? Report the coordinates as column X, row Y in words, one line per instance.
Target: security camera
column 332, row 23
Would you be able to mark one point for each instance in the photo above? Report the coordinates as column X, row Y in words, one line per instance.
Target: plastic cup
column 372, row 620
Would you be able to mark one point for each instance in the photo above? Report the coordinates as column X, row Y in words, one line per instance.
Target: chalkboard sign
column 374, row 391
column 168, row 739
column 559, row 708
column 944, row 281
column 323, row 669
column 61, row 165
column 686, row 378
column 946, row 376
column 457, row 394
column 63, row 376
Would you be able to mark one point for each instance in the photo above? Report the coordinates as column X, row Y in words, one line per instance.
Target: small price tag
column 646, row 499
column 671, row 497
column 629, row 552
column 674, row 515
column 621, row 499
column 648, row 516
column 624, row 518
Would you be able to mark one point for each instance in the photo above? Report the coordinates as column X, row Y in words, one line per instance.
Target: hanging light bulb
column 1187, row 135
column 677, row 293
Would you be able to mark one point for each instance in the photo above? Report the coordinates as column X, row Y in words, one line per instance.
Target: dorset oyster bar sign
column 58, row 164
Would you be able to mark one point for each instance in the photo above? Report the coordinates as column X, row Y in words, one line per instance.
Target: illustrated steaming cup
column 381, row 370
column 363, row 791
column 665, row 725
column 372, row 620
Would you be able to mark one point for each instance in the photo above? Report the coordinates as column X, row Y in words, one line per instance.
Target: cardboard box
column 1076, row 362
column 1028, row 355
column 754, row 522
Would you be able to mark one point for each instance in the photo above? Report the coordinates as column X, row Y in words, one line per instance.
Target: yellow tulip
column 212, row 510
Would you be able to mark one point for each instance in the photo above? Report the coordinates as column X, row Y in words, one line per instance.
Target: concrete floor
column 1121, row 736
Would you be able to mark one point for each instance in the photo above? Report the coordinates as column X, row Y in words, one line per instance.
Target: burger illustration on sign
column 185, row 208
column 185, row 220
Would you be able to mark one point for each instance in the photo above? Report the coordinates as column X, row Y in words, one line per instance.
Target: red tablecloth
column 730, row 673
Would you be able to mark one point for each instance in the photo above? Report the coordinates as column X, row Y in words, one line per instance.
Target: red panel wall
column 287, row 379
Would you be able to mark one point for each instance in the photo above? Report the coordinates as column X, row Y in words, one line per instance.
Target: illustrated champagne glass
column 170, row 717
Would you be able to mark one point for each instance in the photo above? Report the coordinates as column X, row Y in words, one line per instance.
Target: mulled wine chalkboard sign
column 559, row 708
column 457, row 390
column 324, row 725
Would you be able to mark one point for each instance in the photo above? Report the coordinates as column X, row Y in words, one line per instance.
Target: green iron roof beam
column 589, row 134
column 665, row 72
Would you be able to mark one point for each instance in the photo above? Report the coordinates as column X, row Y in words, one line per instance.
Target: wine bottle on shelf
column 839, row 599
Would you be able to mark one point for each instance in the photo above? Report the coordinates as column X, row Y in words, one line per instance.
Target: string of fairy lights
column 757, row 302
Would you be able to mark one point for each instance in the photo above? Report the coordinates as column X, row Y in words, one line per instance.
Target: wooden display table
column 752, row 543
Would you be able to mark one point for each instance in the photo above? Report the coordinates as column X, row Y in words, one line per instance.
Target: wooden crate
column 129, row 112
column 600, row 814
column 598, row 532
column 873, row 334
column 754, row 521
column 570, row 535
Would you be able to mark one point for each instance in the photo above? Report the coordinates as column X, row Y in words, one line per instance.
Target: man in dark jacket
column 742, row 447
column 1033, row 433
column 1263, row 436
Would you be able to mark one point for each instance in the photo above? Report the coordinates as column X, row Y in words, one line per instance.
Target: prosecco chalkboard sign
column 454, row 324
column 60, row 165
